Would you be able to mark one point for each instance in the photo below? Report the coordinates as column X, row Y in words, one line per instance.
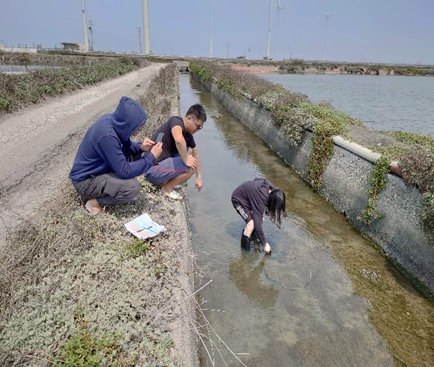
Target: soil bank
column 38, row 147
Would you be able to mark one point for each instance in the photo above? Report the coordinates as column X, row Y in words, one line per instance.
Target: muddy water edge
column 325, row 297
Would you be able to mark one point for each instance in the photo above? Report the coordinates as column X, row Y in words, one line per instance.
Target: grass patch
column 427, row 216
column 378, row 182
column 17, row 91
column 137, row 247
column 425, row 141
column 86, row 349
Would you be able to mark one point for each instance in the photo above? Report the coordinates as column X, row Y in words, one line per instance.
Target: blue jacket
column 106, row 146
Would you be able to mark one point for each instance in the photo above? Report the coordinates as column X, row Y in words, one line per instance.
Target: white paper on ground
column 144, row 227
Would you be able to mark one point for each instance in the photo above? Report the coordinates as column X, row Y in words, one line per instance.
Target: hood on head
column 128, row 117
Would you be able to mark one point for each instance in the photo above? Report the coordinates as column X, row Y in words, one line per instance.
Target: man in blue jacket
column 107, row 161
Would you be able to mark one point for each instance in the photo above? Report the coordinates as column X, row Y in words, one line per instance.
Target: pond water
column 324, row 297
column 382, row 102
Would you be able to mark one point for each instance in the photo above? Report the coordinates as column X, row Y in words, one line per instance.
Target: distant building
column 76, row 47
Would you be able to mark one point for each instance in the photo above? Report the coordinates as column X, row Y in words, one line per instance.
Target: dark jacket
column 106, row 146
column 253, row 196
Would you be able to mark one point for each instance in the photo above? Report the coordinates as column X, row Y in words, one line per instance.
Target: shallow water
column 306, row 304
column 382, row 102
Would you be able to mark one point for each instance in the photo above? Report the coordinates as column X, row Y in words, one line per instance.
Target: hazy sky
column 389, row 31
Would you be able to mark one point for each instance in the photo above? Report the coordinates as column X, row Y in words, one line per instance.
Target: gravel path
column 38, row 144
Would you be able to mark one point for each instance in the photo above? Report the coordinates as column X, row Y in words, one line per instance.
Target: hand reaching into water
column 267, row 248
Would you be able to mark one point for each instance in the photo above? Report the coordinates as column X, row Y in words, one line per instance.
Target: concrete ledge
column 345, row 184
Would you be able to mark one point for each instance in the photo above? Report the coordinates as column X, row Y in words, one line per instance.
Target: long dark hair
column 276, row 206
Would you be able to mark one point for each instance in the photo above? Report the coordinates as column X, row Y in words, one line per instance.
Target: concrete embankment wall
column 345, row 183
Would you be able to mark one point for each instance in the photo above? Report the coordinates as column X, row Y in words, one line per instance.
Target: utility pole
column 269, row 30
column 293, row 47
column 140, row 40
column 86, row 42
column 227, row 50
column 146, row 37
column 210, row 43
column 91, row 35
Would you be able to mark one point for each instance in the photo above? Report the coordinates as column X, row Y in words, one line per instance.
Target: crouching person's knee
column 135, row 188
column 129, row 191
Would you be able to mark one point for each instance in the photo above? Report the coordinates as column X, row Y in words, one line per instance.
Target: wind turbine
column 146, row 36
column 269, row 30
column 279, row 7
column 328, row 16
column 86, row 41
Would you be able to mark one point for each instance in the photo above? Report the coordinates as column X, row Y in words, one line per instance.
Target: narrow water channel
column 325, row 296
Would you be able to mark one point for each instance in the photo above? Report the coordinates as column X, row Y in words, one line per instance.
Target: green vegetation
column 137, row 248
column 424, row 141
column 378, row 183
column 299, row 66
column 201, row 71
column 427, row 215
column 86, row 349
column 17, row 91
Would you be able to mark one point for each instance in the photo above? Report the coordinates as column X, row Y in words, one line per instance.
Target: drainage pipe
column 365, row 153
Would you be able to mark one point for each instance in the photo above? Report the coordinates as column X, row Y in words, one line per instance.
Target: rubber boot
column 245, row 242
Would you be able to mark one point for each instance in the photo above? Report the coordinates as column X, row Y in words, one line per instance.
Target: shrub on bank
column 17, row 91
column 299, row 66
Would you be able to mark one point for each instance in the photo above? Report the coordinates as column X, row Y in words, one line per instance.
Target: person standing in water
column 251, row 199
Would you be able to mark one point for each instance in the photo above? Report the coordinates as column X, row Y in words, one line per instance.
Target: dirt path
column 38, row 144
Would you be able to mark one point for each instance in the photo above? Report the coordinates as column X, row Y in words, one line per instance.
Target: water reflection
column 245, row 271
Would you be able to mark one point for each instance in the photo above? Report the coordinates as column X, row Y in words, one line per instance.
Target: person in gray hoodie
column 108, row 161
column 251, row 199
